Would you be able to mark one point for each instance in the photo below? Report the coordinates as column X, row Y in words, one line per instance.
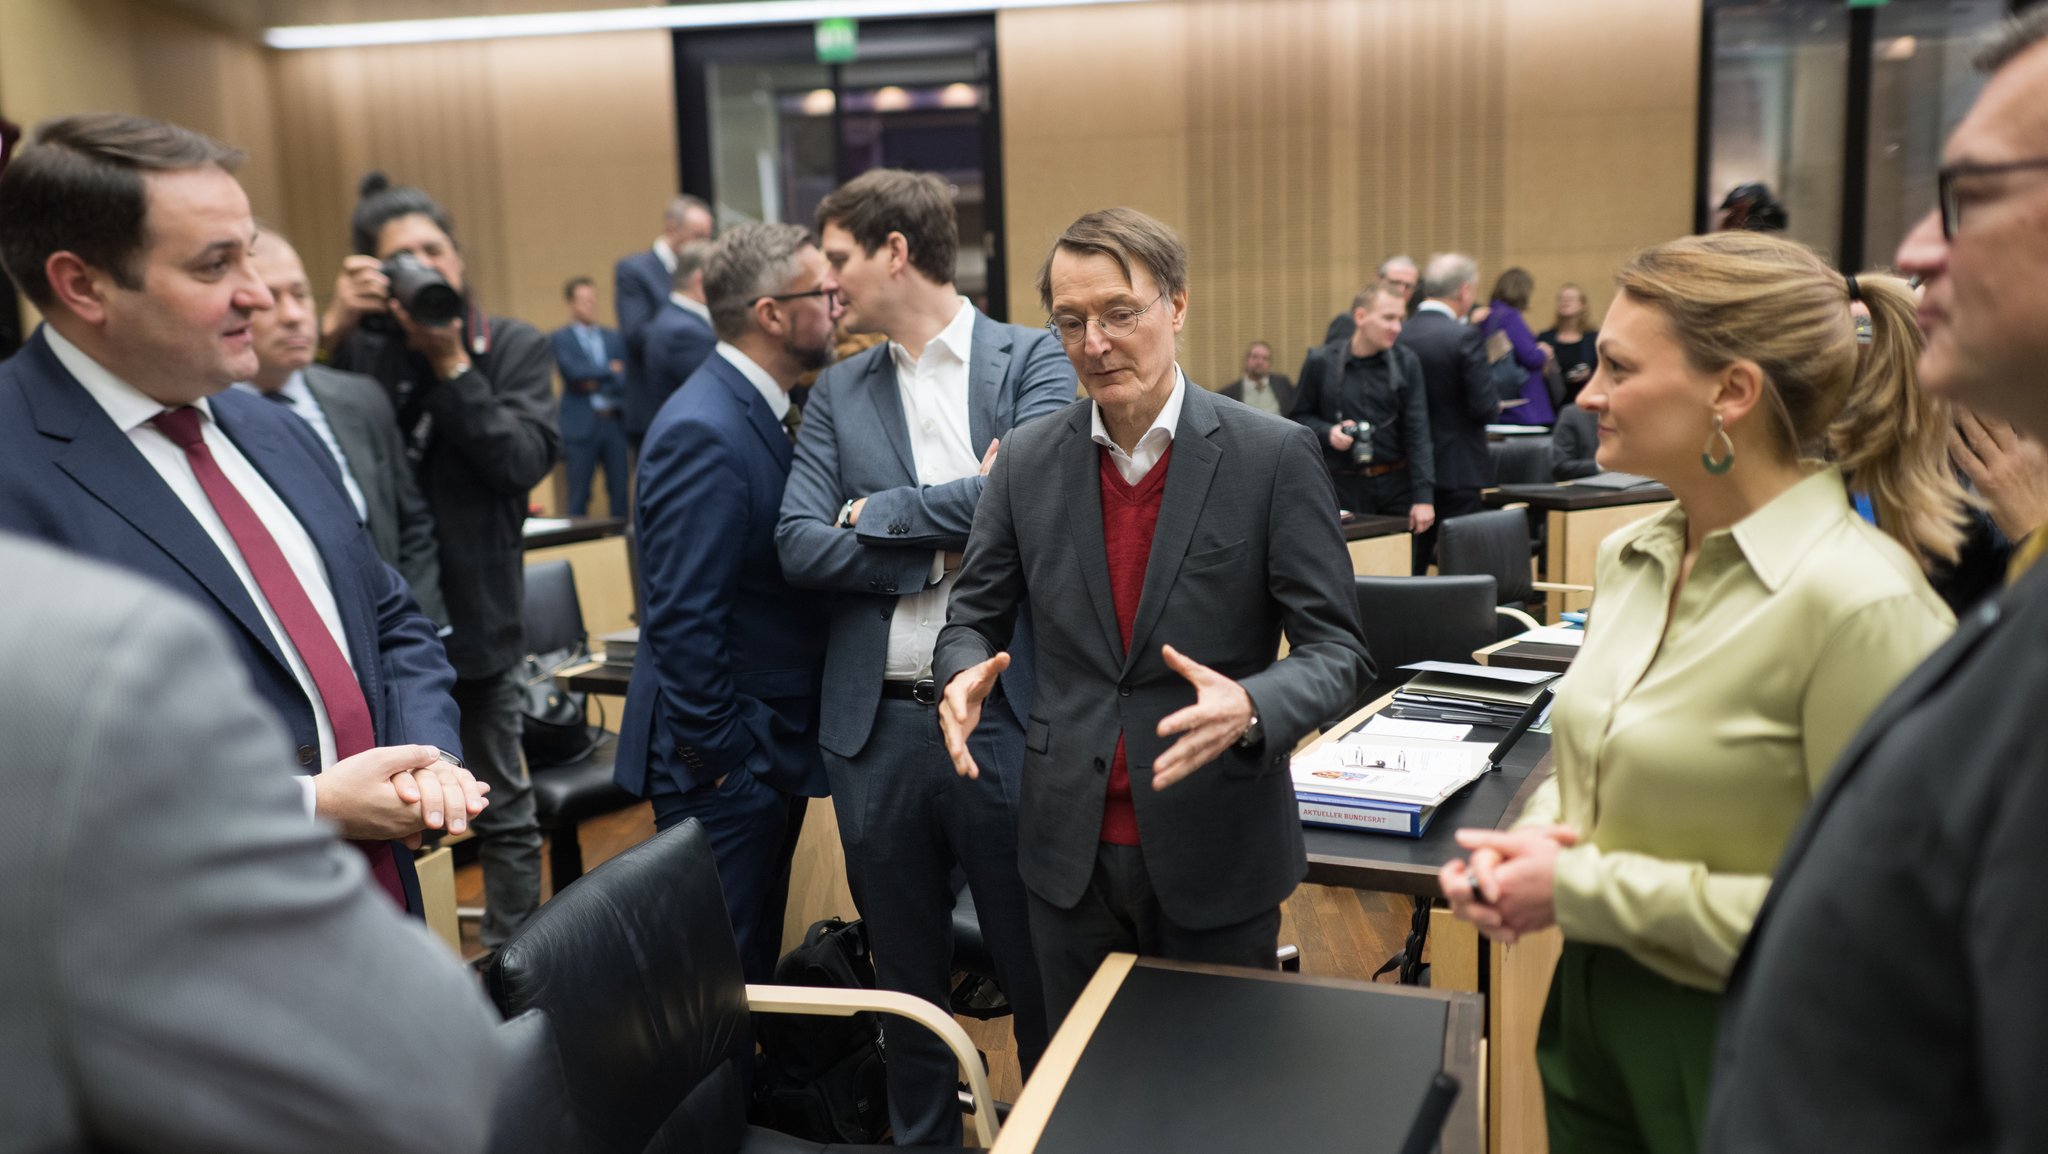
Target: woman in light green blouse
column 1735, row 644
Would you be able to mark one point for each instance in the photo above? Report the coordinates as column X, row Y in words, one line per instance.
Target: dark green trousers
column 1624, row 1055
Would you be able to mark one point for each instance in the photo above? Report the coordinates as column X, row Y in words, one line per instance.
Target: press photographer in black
column 1364, row 398
column 474, row 399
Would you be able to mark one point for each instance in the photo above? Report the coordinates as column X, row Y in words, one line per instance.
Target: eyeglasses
column 1117, row 322
column 831, row 296
column 1952, row 202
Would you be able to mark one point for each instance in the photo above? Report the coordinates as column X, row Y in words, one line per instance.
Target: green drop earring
column 1727, row 460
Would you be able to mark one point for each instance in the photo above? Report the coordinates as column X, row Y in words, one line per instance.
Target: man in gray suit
column 1162, row 537
column 352, row 417
column 189, row 963
column 890, row 459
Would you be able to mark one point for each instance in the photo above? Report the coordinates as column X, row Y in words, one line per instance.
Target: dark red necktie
column 347, row 713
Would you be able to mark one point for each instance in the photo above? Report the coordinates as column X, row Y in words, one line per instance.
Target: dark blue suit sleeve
column 1415, row 430
column 635, row 304
column 691, row 510
column 673, row 353
column 574, row 362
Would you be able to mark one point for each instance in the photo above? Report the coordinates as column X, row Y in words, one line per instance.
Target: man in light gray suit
column 352, row 417
column 1163, row 537
column 188, row 962
column 890, row 459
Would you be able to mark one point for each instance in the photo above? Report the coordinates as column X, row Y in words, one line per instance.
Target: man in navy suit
column 592, row 360
column 119, row 440
column 641, row 282
column 890, row 461
column 721, row 720
column 679, row 337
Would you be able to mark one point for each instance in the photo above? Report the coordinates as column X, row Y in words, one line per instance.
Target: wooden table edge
column 1048, row 1081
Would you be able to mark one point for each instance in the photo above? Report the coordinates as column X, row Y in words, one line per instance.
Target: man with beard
column 721, row 715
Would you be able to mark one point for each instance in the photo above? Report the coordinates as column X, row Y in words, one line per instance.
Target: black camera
column 1360, row 433
column 425, row 293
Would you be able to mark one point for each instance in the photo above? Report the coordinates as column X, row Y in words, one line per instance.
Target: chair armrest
column 1527, row 621
column 842, row 1003
column 1559, row 587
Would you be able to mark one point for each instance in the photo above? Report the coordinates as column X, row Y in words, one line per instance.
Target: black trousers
column 1119, row 912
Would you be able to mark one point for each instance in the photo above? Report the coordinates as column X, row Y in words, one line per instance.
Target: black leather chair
column 1409, row 619
column 637, row 968
column 1520, row 460
column 566, row 795
column 1496, row 544
column 532, row 1115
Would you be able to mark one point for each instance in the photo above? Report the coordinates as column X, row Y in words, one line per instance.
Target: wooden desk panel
column 1574, row 546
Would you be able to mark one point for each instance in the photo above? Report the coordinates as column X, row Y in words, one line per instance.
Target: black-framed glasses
column 831, row 296
column 1117, row 322
column 1952, row 203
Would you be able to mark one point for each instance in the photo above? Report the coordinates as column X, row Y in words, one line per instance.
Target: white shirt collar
column 665, row 254
column 1434, row 306
column 294, row 389
column 956, row 338
column 128, row 406
column 778, row 401
column 690, row 304
column 1164, row 423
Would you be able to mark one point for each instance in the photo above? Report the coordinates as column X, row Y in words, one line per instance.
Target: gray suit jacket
column 854, row 442
column 1247, row 545
column 188, row 963
column 400, row 522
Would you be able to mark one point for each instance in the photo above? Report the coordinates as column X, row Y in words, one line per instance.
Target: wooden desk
column 1168, row 1056
column 1579, row 518
column 595, row 677
column 1380, row 546
column 578, row 529
column 1516, row 977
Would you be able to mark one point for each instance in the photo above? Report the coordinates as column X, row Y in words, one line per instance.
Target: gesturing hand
column 960, row 709
column 1218, row 717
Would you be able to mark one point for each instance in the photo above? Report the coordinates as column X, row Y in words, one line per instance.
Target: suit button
column 1123, row 690
column 1101, row 766
column 308, row 755
column 882, row 613
column 874, row 583
column 889, row 588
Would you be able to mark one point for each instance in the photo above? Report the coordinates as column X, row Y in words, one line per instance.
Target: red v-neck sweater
column 1129, row 514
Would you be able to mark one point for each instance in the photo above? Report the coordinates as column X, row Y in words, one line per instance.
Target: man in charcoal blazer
column 1458, row 385
column 189, row 963
column 1155, row 658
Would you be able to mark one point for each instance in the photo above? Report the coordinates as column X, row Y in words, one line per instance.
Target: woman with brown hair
column 1505, row 326
column 1571, row 339
column 1737, row 641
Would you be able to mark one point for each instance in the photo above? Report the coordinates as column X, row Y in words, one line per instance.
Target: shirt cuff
column 312, row 796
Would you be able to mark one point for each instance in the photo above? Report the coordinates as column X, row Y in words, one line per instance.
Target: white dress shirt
column 300, row 400
column 665, row 254
column 1259, row 395
column 1155, row 441
column 691, row 304
column 1435, row 306
column 131, row 411
column 933, row 389
column 778, row 400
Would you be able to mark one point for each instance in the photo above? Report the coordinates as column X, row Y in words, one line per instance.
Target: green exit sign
column 838, row 40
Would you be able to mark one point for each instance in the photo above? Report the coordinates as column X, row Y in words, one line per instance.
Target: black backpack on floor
column 823, row 1078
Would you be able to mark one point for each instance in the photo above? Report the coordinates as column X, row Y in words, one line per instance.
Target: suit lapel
column 881, row 392
column 757, row 413
column 990, row 363
column 1081, row 481
column 1188, row 477
column 286, row 467
column 101, row 459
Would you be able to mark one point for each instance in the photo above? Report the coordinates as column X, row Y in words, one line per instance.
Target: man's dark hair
column 1125, row 236
column 885, row 200
column 382, row 202
column 752, row 261
column 576, row 282
column 78, row 188
column 2014, row 36
column 690, row 262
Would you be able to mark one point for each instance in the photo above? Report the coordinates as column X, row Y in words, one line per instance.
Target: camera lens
column 425, row 293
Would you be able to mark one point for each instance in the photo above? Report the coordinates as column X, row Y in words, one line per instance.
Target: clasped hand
column 394, row 792
column 1507, row 887
column 1219, row 716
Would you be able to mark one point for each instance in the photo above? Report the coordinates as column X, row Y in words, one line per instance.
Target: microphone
column 1429, row 1117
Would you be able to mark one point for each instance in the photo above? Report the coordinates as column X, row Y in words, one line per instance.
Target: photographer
column 1364, row 399
column 475, row 403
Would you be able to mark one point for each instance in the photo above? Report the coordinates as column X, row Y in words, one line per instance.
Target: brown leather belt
column 1378, row 470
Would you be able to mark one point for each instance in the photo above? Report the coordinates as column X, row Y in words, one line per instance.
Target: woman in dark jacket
column 1510, row 301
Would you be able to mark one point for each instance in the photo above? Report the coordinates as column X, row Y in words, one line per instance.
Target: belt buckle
column 924, row 691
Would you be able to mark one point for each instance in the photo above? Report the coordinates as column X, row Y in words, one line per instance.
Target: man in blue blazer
column 721, row 718
column 679, row 337
column 592, row 360
column 641, row 282
column 890, row 462
column 119, row 440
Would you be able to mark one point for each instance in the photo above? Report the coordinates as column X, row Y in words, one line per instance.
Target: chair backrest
column 1520, row 460
column 1410, row 619
column 532, row 1115
column 554, row 616
column 637, row 967
column 1494, row 543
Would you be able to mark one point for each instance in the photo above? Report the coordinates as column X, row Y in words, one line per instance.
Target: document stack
column 1384, row 785
column 619, row 647
column 1468, row 694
